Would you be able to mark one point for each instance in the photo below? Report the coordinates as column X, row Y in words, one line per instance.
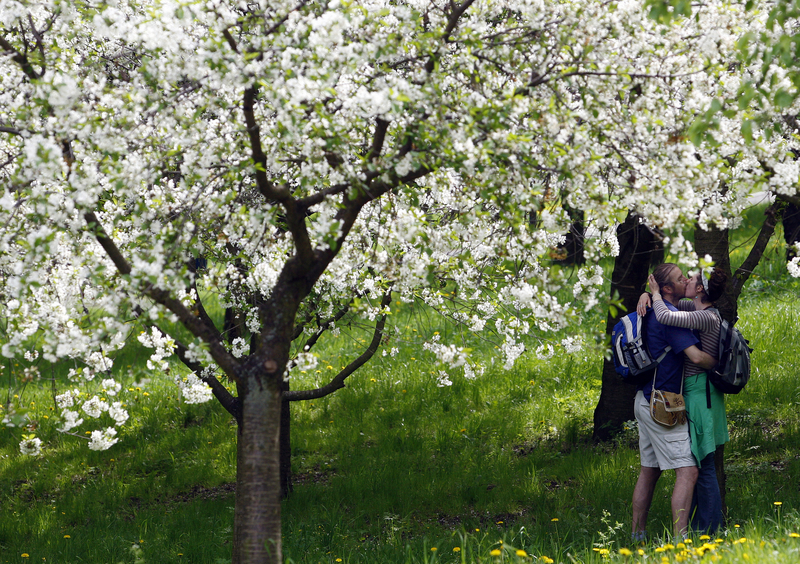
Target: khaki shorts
column 661, row 447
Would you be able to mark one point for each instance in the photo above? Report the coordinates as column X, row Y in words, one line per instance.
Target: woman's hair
column 661, row 274
column 716, row 285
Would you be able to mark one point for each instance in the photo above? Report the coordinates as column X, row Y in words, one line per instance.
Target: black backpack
column 732, row 371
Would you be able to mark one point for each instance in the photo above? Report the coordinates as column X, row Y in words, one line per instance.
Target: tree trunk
column 572, row 249
column 257, row 516
column 637, row 244
column 791, row 229
column 714, row 242
column 286, row 444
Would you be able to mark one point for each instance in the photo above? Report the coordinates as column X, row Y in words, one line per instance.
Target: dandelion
column 67, row 537
column 705, row 537
column 521, row 553
column 794, row 535
column 434, row 549
column 640, row 552
column 495, row 552
column 546, row 560
column 457, row 549
column 338, row 559
column 25, row 555
column 554, row 519
column 625, row 552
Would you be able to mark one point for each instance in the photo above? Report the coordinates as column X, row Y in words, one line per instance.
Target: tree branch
column 773, row 214
column 195, row 325
column 452, row 22
column 789, row 199
column 11, row 130
column 338, row 381
column 224, row 397
column 265, row 186
column 20, row 59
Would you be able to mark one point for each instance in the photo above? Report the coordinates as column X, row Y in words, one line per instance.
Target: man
column 663, row 448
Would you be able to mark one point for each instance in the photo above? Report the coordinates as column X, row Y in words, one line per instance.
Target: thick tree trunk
column 257, row 516
column 714, row 242
column 637, row 244
column 286, row 445
column 791, row 229
column 572, row 249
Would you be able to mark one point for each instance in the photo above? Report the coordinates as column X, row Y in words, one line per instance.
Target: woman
column 705, row 405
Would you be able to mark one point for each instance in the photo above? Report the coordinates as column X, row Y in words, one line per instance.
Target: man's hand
column 644, row 303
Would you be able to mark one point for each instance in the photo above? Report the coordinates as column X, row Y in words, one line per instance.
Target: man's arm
column 699, row 357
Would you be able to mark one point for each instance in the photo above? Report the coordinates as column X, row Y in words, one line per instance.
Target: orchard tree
column 290, row 160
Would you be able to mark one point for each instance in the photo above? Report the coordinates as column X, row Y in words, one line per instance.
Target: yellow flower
column 25, row 555
column 434, row 549
column 705, row 537
column 495, row 552
column 660, row 549
column 743, row 540
column 457, row 549
column 67, row 537
column 746, row 556
column 625, row 552
column 338, row 559
column 546, row 560
column 795, row 535
column 640, row 552
column 778, row 503
column 521, row 553
column 554, row 519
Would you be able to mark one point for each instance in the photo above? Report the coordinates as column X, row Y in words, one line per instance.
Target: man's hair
column 716, row 285
column 661, row 274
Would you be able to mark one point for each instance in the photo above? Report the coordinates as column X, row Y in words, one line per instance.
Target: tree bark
column 637, row 245
column 286, row 444
column 791, row 229
column 257, row 514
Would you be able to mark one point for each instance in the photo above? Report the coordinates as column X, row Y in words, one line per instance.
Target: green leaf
column 747, row 130
column 784, row 99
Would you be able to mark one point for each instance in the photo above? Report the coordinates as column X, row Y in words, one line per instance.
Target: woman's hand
column 654, row 288
column 644, row 303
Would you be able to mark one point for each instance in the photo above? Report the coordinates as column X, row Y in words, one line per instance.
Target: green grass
column 393, row 466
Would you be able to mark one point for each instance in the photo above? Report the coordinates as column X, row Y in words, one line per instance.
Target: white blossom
column 72, row 419
column 31, row 447
column 103, row 440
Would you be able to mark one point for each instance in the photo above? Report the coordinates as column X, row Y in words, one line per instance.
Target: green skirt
column 708, row 428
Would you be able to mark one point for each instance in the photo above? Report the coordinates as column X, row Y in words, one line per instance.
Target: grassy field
column 395, row 469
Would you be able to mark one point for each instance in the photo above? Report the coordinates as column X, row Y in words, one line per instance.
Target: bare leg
column 685, row 479
column 643, row 496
